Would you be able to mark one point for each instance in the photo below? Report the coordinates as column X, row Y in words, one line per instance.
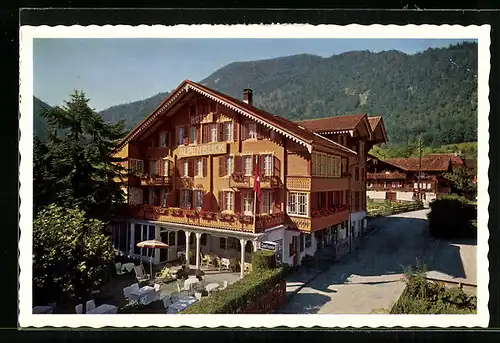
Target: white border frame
column 28, row 33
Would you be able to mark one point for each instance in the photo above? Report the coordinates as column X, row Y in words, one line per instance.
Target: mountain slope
column 40, row 124
column 433, row 93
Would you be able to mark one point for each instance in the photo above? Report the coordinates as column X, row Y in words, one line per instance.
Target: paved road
column 369, row 279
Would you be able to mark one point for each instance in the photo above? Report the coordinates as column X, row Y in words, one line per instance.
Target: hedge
column 263, row 259
column 238, row 295
column 452, row 217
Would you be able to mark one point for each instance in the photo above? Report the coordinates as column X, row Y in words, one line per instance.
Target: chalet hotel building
column 195, row 159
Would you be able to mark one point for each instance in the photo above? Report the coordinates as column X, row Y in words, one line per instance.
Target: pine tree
column 75, row 167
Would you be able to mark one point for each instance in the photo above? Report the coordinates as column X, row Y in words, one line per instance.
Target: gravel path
column 369, row 279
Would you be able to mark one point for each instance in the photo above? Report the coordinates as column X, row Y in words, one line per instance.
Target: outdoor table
column 143, row 292
column 181, row 304
column 104, row 309
column 42, row 309
column 212, row 287
column 189, row 284
column 128, row 267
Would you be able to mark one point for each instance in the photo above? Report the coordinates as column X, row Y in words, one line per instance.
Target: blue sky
column 115, row 71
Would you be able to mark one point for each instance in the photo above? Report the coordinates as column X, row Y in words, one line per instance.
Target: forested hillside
column 40, row 123
column 432, row 93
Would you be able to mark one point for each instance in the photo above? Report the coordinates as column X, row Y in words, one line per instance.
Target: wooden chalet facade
column 193, row 161
column 359, row 133
column 398, row 178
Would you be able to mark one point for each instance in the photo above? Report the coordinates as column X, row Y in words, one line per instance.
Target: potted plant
column 176, row 212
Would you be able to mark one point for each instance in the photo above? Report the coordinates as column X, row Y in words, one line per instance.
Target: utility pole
column 419, row 165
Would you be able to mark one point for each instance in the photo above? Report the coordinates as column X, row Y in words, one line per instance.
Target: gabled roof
column 455, row 159
column 375, row 123
column 283, row 126
column 435, row 163
column 333, row 124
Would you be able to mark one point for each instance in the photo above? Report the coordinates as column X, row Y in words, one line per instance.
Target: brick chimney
column 247, row 96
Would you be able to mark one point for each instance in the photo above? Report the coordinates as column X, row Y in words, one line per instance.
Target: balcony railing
column 155, row 180
column 386, row 176
column 317, row 183
column 239, row 180
column 228, row 221
column 320, row 219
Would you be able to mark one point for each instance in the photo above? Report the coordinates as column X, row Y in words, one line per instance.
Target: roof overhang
column 184, row 88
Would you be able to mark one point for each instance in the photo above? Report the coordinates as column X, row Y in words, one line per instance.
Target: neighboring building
column 398, row 178
column 359, row 133
column 194, row 157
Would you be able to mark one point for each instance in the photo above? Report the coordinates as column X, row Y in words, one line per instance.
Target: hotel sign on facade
column 202, row 150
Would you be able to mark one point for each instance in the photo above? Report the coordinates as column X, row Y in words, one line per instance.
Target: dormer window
column 180, row 135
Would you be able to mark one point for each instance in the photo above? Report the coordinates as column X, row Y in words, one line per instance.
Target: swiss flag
column 256, row 184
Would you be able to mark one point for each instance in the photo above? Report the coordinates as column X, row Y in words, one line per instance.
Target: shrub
column 238, row 295
column 424, row 297
column 452, row 217
column 263, row 260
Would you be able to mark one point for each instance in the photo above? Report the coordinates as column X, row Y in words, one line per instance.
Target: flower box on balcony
column 192, row 214
column 246, row 219
column 176, row 212
column 238, row 177
column 227, row 217
column 208, row 215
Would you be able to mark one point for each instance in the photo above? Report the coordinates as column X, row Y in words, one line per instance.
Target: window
column 163, row 197
column 297, row 203
column 415, row 185
column 163, row 139
column 229, row 165
column 267, row 202
column 137, row 165
column 247, row 203
column 186, row 198
column 228, row 131
column 252, row 130
column 228, row 200
column 185, row 168
column 247, row 163
column 199, row 167
column 314, row 164
column 222, row 243
column 180, row 135
column 152, row 167
column 198, row 199
column 213, row 132
column 428, row 186
column 268, row 165
column 308, row 241
column 193, row 135
column 166, row 168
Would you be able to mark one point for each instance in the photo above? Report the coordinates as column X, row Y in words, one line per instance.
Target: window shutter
column 235, row 130
column 178, row 164
column 205, row 162
column 277, row 166
column 237, row 202
column 159, row 167
column 204, row 130
column 221, row 201
column 221, row 132
column 261, row 164
column 244, row 131
column 222, row 165
column 238, row 168
column 191, row 167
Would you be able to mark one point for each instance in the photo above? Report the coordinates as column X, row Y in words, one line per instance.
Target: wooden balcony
column 155, row 180
column 386, row 176
column 238, row 180
column 317, row 183
column 319, row 219
column 233, row 222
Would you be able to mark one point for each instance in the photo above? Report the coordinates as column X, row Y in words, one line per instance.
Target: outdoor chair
column 205, row 260
column 119, row 270
column 225, row 285
column 164, row 275
column 248, row 267
column 140, row 274
column 90, row 305
column 79, row 309
column 225, row 263
column 182, row 291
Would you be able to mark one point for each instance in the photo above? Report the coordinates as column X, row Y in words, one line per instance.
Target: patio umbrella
column 152, row 244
